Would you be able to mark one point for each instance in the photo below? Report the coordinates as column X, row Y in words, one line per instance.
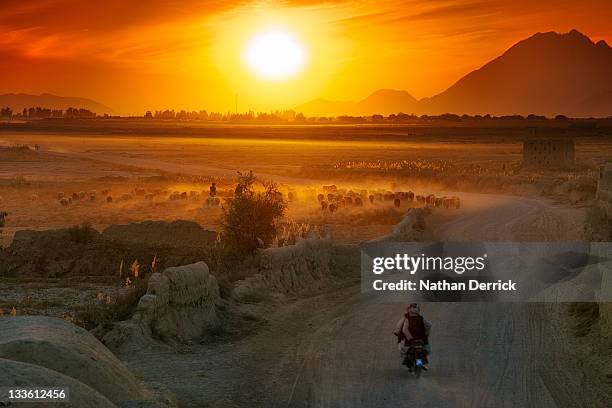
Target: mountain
column 18, row 102
column 545, row 74
column 383, row 101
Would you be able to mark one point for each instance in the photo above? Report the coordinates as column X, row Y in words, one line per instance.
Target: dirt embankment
column 40, row 351
column 83, row 251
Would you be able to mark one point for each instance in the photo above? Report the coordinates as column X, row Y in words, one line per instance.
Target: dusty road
column 335, row 351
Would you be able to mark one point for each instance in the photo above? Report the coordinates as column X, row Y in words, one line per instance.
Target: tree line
column 278, row 116
column 45, row 113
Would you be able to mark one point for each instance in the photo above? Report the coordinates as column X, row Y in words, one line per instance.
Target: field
column 300, row 159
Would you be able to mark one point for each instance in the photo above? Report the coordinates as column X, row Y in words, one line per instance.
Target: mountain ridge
column 545, row 74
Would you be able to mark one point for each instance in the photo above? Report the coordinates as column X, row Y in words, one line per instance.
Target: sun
column 275, row 55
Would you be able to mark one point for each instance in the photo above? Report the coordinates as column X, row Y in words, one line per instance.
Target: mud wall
column 180, row 305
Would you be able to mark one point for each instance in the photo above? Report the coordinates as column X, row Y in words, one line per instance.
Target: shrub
column 82, row 234
column 250, row 220
column 104, row 310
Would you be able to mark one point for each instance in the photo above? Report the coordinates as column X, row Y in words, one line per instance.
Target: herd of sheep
column 105, row 195
column 333, row 199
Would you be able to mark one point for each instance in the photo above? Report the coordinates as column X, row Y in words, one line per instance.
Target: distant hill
column 19, row 101
column 546, row 74
column 383, row 101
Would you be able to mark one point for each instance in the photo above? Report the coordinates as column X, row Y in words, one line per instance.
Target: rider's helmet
column 414, row 308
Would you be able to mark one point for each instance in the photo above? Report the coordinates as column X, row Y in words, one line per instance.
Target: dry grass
column 103, row 309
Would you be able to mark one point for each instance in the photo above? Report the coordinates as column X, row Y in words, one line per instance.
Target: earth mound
column 50, row 349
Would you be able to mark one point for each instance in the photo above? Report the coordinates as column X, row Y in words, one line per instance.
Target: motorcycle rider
column 412, row 326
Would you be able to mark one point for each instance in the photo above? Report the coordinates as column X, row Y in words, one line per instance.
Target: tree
column 250, row 221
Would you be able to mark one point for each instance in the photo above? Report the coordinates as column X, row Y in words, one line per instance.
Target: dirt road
column 335, row 351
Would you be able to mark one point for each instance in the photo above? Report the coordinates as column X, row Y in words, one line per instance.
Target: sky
column 134, row 55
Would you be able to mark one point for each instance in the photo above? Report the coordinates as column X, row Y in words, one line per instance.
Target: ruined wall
column 314, row 264
column 604, row 184
column 180, row 302
column 410, row 228
column 54, row 253
column 599, row 228
column 180, row 305
column 548, row 153
column 308, row 267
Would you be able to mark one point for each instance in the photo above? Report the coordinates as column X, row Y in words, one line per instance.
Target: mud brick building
column 548, row 153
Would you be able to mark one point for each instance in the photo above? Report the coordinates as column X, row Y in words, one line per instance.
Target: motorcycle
column 416, row 357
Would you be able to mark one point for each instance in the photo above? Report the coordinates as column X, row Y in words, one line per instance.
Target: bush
column 250, row 220
column 105, row 310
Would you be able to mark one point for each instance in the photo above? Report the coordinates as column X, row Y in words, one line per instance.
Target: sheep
column 410, row 196
column 92, row 197
column 64, row 202
column 333, row 207
column 358, row 202
column 109, row 199
column 60, row 195
column 34, row 197
column 320, row 197
column 105, row 192
column 75, row 196
column 323, row 205
column 347, row 201
column 456, row 202
column 184, row 195
column 81, row 195
column 371, row 198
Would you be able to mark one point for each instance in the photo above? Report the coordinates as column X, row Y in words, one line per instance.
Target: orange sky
column 137, row 55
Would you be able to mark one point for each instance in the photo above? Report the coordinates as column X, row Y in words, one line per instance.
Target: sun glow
column 275, row 55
